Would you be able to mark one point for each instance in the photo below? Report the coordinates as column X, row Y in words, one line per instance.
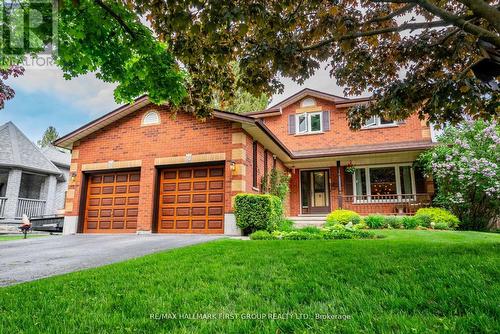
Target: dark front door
column 315, row 195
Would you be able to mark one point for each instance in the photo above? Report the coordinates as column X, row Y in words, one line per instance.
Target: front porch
column 382, row 185
column 24, row 193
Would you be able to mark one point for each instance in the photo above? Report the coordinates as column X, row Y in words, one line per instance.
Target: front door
column 315, row 196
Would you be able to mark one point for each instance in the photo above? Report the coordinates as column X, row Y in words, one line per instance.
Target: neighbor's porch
column 369, row 186
column 23, row 192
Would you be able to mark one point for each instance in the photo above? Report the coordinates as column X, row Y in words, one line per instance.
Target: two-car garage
column 190, row 200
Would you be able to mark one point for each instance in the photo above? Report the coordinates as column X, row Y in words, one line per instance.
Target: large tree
column 412, row 55
column 48, row 137
column 106, row 37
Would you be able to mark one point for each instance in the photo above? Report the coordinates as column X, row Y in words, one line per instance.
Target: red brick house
column 139, row 169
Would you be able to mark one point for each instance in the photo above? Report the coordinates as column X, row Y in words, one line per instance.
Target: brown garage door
column 112, row 202
column 192, row 200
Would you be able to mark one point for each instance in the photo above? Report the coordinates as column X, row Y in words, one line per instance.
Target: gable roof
column 17, row 151
column 276, row 109
column 57, row 156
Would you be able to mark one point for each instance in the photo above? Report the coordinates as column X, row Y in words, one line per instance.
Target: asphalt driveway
column 33, row 258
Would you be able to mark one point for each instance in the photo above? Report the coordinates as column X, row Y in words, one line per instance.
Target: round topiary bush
column 342, row 217
column 425, row 216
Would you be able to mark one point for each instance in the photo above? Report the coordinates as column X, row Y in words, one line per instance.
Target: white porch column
column 12, row 193
column 50, row 194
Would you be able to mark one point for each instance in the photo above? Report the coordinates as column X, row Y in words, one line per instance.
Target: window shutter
column 326, row 120
column 347, row 184
column 291, row 124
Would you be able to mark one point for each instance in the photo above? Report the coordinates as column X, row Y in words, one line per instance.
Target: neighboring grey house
column 33, row 181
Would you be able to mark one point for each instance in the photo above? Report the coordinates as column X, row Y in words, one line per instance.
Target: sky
column 44, row 98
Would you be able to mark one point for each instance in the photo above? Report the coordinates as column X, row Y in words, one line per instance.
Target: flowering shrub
column 465, row 166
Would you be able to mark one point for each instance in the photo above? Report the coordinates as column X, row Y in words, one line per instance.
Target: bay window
column 384, row 183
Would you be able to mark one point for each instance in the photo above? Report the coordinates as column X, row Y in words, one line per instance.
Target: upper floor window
column 308, row 102
column 150, row 118
column 378, row 121
column 309, row 122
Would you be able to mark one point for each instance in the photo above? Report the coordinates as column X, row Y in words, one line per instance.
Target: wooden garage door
column 112, row 202
column 192, row 200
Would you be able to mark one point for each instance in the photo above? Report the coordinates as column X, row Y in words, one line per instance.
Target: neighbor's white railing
column 30, row 207
column 3, row 202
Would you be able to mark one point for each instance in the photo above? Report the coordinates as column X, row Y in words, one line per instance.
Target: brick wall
column 339, row 134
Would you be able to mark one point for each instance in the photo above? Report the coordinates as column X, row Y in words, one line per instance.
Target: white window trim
column 308, row 102
column 398, row 185
column 308, row 116
column 158, row 119
column 378, row 124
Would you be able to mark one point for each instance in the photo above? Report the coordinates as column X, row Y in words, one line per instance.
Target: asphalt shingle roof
column 16, row 150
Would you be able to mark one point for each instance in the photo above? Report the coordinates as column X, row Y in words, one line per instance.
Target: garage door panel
column 191, row 200
column 112, row 202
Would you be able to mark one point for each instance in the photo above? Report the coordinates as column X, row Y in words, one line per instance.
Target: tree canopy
column 411, row 55
column 48, row 137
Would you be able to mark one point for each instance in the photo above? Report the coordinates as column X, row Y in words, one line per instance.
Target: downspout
column 339, row 188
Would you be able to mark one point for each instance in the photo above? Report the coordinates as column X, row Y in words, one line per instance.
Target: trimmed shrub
column 257, row 212
column 393, row 221
column 409, row 222
column 437, row 215
column 261, row 235
column 310, row 229
column 342, row 217
column 285, row 225
column 375, row 221
column 441, row 226
column 424, row 220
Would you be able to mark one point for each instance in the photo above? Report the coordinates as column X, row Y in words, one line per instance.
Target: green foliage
column 441, row 226
column 375, row 221
column 107, row 38
column 409, row 222
column 436, row 215
column 393, row 221
column 48, row 137
column 300, row 235
column 310, row 229
column 276, row 183
column 285, row 225
column 465, row 166
column 347, row 234
column 360, row 41
column 261, row 235
column 361, row 226
column 342, row 217
column 257, row 212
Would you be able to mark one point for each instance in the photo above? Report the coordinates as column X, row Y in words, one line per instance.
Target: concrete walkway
column 34, row 258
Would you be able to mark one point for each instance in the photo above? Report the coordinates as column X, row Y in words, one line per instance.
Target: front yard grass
column 408, row 282
column 20, row 236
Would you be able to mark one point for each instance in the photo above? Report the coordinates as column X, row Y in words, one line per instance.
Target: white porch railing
column 3, row 202
column 30, row 207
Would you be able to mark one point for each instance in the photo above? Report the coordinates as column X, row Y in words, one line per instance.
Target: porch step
column 303, row 221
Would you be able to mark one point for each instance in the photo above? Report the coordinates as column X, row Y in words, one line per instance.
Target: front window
column 377, row 121
column 309, row 123
column 4, row 177
column 31, row 186
column 384, row 183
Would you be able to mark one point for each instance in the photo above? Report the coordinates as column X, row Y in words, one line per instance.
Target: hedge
column 343, row 217
column 428, row 216
column 257, row 212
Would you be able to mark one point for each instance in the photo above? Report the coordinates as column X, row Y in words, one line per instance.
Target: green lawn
column 408, row 282
column 17, row 237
